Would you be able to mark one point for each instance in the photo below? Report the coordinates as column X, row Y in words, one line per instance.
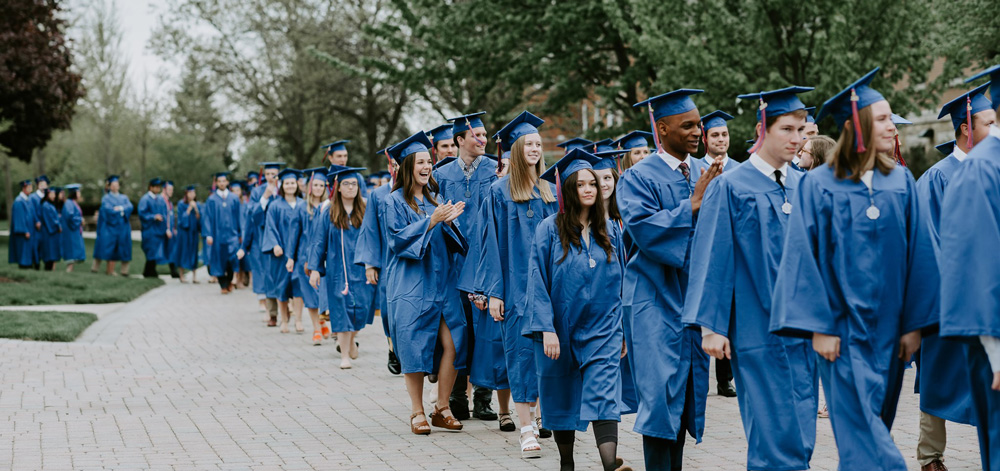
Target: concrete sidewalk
column 185, row 378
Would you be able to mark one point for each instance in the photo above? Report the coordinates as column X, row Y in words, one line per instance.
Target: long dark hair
column 338, row 215
column 568, row 222
column 613, row 213
column 405, row 180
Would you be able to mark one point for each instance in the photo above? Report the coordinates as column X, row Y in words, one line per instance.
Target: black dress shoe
column 433, row 378
column 459, row 407
column 481, row 410
column 727, row 390
column 393, row 364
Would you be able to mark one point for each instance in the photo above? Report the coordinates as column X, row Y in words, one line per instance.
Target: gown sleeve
column 406, row 239
column 489, row 273
column 921, row 305
column 21, row 223
column 661, row 234
column 969, row 259
column 319, row 240
column 539, row 307
column 800, row 305
column 709, row 299
column 50, row 219
column 454, row 239
column 369, row 246
column 271, row 236
column 294, row 230
column 206, row 218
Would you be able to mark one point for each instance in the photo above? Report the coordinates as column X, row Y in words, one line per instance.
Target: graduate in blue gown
column 970, row 311
column 240, row 189
column 73, row 249
column 220, row 223
column 942, row 365
column 188, row 233
column 114, row 232
column 574, row 313
column 715, row 133
column 468, row 179
column 636, row 147
column 423, row 234
column 153, row 217
column 659, row 199
column 373, row 253
column 50, row 245
column 734, row 260
column 856, row 240
column 282, row 228
column 41, row 186
column 334, row 241
column 515, row 206
column 22, row 229
column 607, row 170
column 314, row 199
column 261, row 196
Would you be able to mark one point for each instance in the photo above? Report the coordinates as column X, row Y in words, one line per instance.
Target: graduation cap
column 270, row 165
column 965, row 106
column 339, row 172
column 608, row 160
column 775, row 103
column 633, row 140
column 190, row 187
column 810, row 117
column 409, row 146
column 113, row 178
column 289, row 173
column 217, row 175
column 603, row 145
column 994, row 74
column 574, row 143
column 252, row 175
column 156, row 182
column 73, row 186
column 25, row 183
column 946, row 148
column 466, row 122
column 668, row 104
column 574, row 161
column 315, row 173
column 898, row 120
column 54, row 189
column 443, row 162
column 335, row 146
column 441, row 133
column 715, row 119
column 846, row 104
column 42, row 178
column 524, row 124
column 238, row 183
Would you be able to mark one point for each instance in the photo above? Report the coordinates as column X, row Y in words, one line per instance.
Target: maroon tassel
column 859, row 139
column 968, row 120
column 763, row 127
column 559, row 191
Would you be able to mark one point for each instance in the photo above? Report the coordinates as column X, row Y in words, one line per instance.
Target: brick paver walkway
column 184, row 378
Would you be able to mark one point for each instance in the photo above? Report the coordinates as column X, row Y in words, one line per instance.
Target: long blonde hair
column 846, row 161
column 314, row 201
column 520, row 183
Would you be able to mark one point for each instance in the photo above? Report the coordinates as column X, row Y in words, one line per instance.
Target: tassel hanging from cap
column 652, row 125
column 898, row 152
column 968, row 120
column 392, row 173
column 343, row 260
column 559, row 195
column 859, row 138
column 260, row 176
column 763, row 127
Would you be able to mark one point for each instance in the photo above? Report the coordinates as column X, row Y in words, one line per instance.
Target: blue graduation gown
column 581, row 303
column 942, row 365
column 879, row 280
column 655, row 204
column 629, row 396
column 734, row 259
column 332, row 255
column 310, row 295
column 503, row 260
column 970, row 276
column 73, row 248
column 114, row 233
column 372, row 249
column 245, row 208
column 188, row 235
column 36, row 198
column 51, row 244
column 22, row 232
column 253, row 237
column 731, row 164
column 220, row 220
column 154, row 233
column 281, row 229
column 419, row 270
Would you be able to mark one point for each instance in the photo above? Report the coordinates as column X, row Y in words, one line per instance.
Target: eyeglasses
column 803, row 151
column 349, row 184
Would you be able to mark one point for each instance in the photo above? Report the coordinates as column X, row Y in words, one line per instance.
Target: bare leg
column 297, row 305
column 285, row 316
column 314, row 316
column 415, row 388
column 503, row 398
column 125, row 268
column 523, row 412
column 353, row 344
column 345, row 340
column 111, row 267
column 96, row 265
column 69, row 267
column 181, row 271
column 446, row 372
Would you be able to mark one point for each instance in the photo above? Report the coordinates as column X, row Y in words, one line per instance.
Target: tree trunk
column 8, row 195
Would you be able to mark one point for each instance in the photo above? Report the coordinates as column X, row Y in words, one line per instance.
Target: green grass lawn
column 30, row 287
column 44, row 325
column 135, row 268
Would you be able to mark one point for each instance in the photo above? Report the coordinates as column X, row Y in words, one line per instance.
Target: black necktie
column 777, row 178
column 685, row 170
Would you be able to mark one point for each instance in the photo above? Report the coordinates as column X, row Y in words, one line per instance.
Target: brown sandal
column 446, row 422
column 419, row 428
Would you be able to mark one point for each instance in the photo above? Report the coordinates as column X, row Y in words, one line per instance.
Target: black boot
column 459, row 400
column 149, row 270
column 173, row 271
column 726, row 389
column 481, row 398
column 393, row 364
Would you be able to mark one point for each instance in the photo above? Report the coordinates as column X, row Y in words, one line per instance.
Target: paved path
column 184, row 378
